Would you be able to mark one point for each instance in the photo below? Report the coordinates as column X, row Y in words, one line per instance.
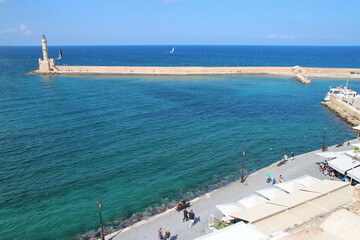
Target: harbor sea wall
column 343, row 110
column 138, row 70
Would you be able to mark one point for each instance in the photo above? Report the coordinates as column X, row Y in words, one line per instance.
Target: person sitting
column 281, row 179
column 181, row 205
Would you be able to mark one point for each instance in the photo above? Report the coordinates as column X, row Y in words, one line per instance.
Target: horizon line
column 105, row 45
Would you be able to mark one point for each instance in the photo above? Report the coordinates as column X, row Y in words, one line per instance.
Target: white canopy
column 330, row 154
column 252, row 200
column 325, row 186
column 271, row 193
column 234, row 231
column 353, row 154
column 354, row 173
column 356, row 145
column 258, row 212
column 289, row 186
column 229, row 208
column 295, row 199
column 343, row 163
column 306, row 180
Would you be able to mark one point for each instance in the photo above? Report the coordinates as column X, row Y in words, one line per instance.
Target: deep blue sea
column 139, row 142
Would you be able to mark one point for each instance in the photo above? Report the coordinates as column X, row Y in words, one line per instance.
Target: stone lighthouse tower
column 46, row 65
column 44, row 47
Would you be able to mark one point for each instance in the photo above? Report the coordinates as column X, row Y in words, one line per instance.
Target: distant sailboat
column 60, row 54
column 172, row 50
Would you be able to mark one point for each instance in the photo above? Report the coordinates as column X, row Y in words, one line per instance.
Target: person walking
column 186, row 216
column 167, row 234
column 191, row 217
column 273, row 180
column 292, row 156
column 160, row 235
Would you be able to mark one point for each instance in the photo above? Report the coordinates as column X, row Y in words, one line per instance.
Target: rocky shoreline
column 152, row 211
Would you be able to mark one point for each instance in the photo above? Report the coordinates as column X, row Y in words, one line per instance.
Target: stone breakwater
column 308, row 72
column 343, row 110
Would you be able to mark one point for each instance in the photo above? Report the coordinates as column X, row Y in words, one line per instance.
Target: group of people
column 188, row 216
column 271, row 179
column 285, row 158
column 325, row 169
column 166, row 235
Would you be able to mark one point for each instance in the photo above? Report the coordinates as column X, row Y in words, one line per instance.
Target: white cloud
column 28, row 32
column 8, row 30
column 22, row 27
column 280, row 36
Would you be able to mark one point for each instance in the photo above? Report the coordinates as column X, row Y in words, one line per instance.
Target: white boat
column 172, row 50
column 344, row 93
column 60, row 54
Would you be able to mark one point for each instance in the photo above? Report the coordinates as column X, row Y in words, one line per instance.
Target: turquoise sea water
column 138, row 142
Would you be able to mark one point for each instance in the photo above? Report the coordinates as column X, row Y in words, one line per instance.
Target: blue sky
column 180, row 22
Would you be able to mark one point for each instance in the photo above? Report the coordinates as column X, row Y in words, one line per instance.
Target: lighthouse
column 44, row 48
column 46, row 64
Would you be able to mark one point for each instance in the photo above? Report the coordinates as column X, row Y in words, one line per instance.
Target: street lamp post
column 102, row 229
column 242, row 171
column 324, row 147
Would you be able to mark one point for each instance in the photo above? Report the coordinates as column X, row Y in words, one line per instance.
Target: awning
column 354, row 173
column 331, row 155
column 252, row 200
column 325, row 186
column 271, row 193
column 296, row 198
column 353, row 154
column 306, row 180
column 343, row 163
column 356, row 145
column 228, row 208
column 234, row 231
column 289, row 186
column 258, row 212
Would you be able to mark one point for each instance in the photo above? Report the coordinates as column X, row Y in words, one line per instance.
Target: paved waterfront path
column 205, row 205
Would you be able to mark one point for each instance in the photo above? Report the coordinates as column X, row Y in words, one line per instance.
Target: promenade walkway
column 205, row 205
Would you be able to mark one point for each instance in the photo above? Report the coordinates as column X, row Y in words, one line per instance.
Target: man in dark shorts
column 186, row 216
